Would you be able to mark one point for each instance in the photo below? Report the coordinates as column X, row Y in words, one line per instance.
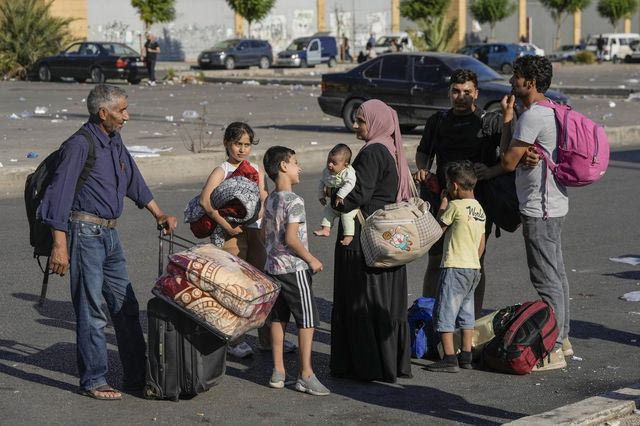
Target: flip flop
column 95, row 393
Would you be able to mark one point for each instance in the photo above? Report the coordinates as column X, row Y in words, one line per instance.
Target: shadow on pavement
column 589, row 330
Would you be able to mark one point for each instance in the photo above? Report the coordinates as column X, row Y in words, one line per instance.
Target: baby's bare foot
column 323, row 232
column 346, row 240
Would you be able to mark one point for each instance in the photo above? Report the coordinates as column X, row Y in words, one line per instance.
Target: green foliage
column 492, row 11
column 429, row 15
column 560, row 9
column 418, row 10
column 585, row 57
column 27, row 33
column 615, row 10
column 153, row 11
column 171, row 74
column 251, row 10
column 418, row 41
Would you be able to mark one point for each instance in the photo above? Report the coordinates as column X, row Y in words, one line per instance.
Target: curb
column 265, row 80
column 185, row 168
column 591, row 411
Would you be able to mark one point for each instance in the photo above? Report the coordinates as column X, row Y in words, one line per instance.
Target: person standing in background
column 150, row 53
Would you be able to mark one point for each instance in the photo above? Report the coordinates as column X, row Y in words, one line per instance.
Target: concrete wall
column 201, row 23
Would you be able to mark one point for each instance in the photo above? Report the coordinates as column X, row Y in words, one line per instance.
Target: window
column 427, row 70
column 614, row 41
column 74, row 49
column 394, row 67
column 256, row 45
column 314, row 46
column 118, row 49
column 243, row 45
column 373, row 71
column 90, row 50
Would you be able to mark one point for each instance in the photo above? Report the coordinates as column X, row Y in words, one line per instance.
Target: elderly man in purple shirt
column 85, row 242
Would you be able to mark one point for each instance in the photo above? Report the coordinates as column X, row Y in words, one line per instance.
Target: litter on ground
column 630, row 260
column 633, row 296
column 41, row 110
column 144, row 151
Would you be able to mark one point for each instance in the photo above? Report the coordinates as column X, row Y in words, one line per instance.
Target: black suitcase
column 183, row 359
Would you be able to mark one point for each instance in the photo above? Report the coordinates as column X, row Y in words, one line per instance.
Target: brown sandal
column 98, row 393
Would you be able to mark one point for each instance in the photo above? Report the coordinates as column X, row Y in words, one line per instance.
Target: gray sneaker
column 280, row 380
column 311, row 386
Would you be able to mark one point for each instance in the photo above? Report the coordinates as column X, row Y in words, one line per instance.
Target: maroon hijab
column 383, row 126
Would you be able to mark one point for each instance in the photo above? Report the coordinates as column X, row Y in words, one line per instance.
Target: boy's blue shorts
column 454, row 303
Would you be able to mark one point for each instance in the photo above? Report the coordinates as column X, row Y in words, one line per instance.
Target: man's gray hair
column 103, row 95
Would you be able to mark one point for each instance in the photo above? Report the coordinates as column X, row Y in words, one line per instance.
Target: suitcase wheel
column 151, row 391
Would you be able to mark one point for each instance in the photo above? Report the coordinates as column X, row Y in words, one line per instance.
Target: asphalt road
column 37, row 345
column 281, row 115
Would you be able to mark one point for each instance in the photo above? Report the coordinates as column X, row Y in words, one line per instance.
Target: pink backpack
column 582, row 151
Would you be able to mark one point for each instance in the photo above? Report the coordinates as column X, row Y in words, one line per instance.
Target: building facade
column 199, row 24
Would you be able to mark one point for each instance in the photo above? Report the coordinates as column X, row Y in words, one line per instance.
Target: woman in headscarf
column 369, row 329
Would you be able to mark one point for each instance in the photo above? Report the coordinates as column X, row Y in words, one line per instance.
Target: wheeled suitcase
column 183, row 359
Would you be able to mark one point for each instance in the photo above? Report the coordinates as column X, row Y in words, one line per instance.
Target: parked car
column 499, row 56
column 383, row 44
column 416, row 85
column 634, row 56
column 616, row 45
column 98, row 61
column 533, row 48
column 237, row 53
column 309, row 51
column 567, row 52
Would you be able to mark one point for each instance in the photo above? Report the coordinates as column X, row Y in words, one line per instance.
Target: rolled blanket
column 237, row 199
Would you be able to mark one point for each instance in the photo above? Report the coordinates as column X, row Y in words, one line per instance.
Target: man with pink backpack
column 574, row 152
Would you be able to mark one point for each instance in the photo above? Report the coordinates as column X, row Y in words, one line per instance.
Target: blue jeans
column 455, row 301
column 98, row 269
column 543, row 242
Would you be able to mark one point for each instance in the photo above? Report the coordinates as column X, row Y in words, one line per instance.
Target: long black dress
column 369, row 330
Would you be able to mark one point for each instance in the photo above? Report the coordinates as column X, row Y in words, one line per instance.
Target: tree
column 251, row 10
column 559, row 10
column 29, row 32
column 615, row 10
column 429, row 15
column 154, row 11
column 492, row 11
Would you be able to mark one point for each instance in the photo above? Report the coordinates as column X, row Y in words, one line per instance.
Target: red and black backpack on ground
column 526, row 340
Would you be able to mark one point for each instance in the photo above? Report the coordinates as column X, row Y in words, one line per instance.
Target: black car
column 416, row 85
column 237, row 53
column 98, row 61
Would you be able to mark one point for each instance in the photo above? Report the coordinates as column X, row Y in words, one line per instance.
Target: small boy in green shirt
column 463, row 220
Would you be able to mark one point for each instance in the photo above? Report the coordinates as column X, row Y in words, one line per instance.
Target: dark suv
column 237, row 53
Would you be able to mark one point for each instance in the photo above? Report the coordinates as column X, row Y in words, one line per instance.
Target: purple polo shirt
column 114, row 176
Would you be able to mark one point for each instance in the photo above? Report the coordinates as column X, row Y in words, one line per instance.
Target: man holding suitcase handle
column 86, row 243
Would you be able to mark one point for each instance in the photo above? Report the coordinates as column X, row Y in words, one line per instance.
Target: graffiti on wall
column 272, row 28
column 303, row 23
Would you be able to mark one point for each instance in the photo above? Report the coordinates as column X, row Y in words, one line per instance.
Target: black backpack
column 34, row 189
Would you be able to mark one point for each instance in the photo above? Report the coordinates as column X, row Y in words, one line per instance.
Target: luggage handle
column 182, row 243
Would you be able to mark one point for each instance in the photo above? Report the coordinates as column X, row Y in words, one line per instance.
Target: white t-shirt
column 228, row 170
column 538, row 124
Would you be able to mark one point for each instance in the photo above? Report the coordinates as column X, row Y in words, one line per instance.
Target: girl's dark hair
column 235, row 130
column 341, row 149
column 534, row 68
column 462, row 173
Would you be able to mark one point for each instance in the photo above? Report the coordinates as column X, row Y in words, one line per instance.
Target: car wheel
column 97, row 76
column 264, row 63
column 303, row 63
column 349, row 113
column 406, row 128
column 506, row 68
column 80, row 80
column 627, row 59
column 229, row 63
column 134, row 80
column 332, row 62
column 44, row 74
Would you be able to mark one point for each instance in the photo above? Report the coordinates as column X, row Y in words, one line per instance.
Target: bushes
column 585, row 57
column 27, row 33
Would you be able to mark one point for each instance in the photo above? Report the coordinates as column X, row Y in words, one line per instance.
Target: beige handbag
column 398, row 233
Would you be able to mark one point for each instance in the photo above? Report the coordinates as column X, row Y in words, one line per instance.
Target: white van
column 616, row 45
